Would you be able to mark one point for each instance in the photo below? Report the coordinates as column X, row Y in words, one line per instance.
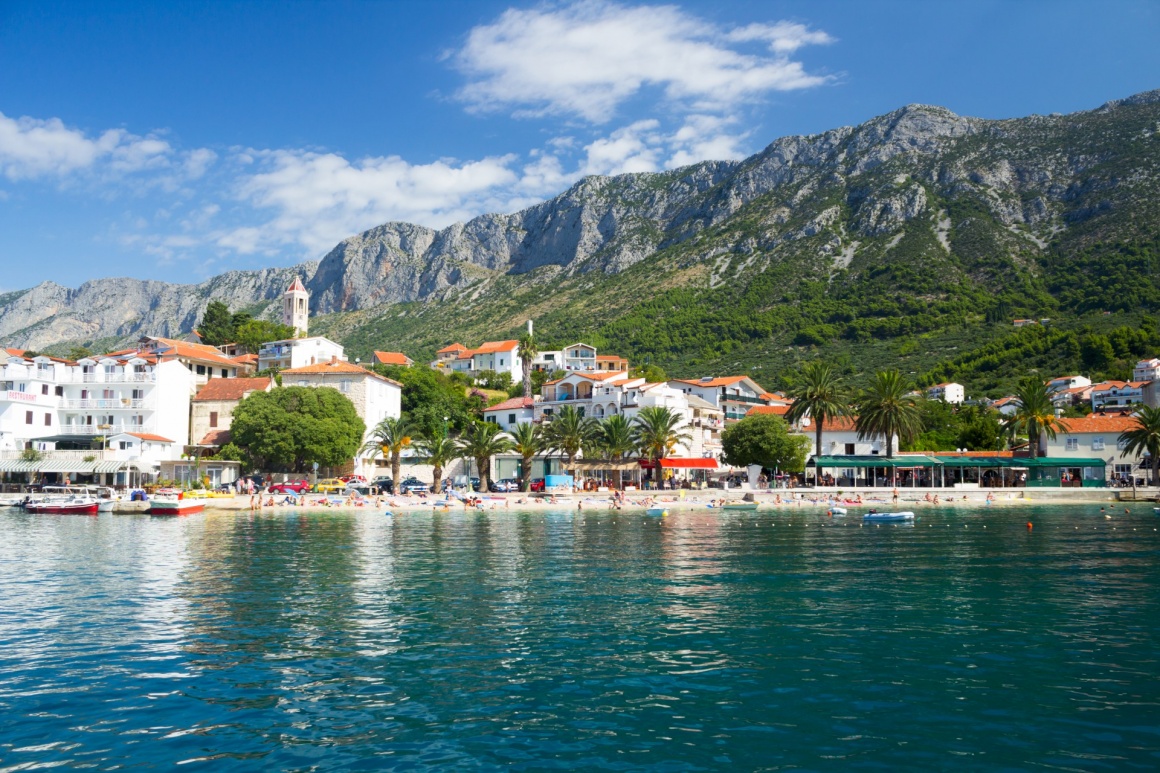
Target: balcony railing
column 100, row 429
column 95, row 455
column 742, row 399
column 121, row 403
column 118, row 378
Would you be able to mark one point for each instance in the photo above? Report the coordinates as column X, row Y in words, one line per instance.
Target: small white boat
column 173, row 502
column 657, row 511
column 837, row 511
column 905, row 515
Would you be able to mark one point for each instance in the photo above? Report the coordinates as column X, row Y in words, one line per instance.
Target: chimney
column 334, row 359
column 529, row 327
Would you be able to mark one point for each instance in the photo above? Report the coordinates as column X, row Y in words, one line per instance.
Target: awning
column 589, row 465
column 107, row 467
column 18, row 465
column 977, row 461
column 681, row 463
column 846, row 462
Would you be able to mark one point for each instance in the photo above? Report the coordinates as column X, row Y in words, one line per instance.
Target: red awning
column 683, row 464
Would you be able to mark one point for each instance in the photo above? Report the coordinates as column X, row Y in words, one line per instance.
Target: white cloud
column 33, row 148
column 586, row 59
column 320, row 198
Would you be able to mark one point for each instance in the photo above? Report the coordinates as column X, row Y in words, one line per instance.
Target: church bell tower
column 296, row 307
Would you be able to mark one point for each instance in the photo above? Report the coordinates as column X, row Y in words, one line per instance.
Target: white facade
column 734, row 395
column 1146, row 370
column 1062, row 383
column 1110, row 394
column 298, row 353
column 498, row 356
column 840, row 438
column 101, row 396
column 509, row 413
column 948, row 393
column 296, row 307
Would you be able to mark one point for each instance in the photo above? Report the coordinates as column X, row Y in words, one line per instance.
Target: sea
column 986, row 638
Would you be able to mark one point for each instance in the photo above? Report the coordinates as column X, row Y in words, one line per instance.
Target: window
column 28, row 417
column 107, row 394
column 501, row 362
column 60, row 391
column 225, row 374
column 344, row 385
column 125, row 446
column 302, row 382
column 850, row 449
column 1122, row 445
column 511, row 418
column 48, row 419
column 201, row 370
column 1097, row 444
column 44, row 389
column 1123, row 471
column 1072, row 444
column 213, row 418
column 138, row 394
column 138, row 421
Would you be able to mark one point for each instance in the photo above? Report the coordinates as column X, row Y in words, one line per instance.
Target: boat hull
column 747, row 506
column 903, row 516
column 79, row 508
column 176, row 508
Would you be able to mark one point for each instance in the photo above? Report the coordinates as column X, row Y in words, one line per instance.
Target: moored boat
column 659, row 511
column 173, row 502
column 62, row 500
column 905, row 515
column 740, row 506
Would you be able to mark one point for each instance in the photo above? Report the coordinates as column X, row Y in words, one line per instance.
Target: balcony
column 120, row 404
column 742, row 399
column 100, row 429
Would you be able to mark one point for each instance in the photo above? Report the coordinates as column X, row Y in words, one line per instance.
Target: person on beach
column 895, row 499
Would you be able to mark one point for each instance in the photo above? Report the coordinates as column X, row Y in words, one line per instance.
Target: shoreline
column 699, row 500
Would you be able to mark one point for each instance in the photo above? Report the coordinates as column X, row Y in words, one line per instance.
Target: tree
column 819, row 395
column 431, row 400
column 79, row 353
column 569, row 432
column 527, row 441
column 765, row 439
column 217, row 324
column 888, row 409
column 1145, row 438
column 389, row 437
column 482, row 441
column 251, row 334
column 294, row 427
column 616, row 437
column 657, row 432
column 439, row 451
column 1034, row 413
column 653, row 374
column 528, row 352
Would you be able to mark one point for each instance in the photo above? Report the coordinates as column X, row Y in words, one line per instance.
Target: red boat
column 50, row 507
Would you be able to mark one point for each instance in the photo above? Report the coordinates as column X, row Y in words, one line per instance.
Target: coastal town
column 161, row 413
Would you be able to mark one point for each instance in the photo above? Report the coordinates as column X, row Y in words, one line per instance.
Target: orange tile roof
column 204, row 352
column 15, row 352
column 491, row 347
column 231, row 388
column 1108, row 424
column 713, row 382
column 609, row 357
column 392, row 358
column 837, row 424
column 215, row 437
column 147, row 436
column 296, row 285
column 452, row 348
column 1118, row 384
column 337, row 367
column 246, row 359
column 774, row 410
column 514, row 403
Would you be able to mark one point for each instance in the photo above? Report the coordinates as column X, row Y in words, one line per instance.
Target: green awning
column 978, row 461
column 1059, row 461
column 846, row 462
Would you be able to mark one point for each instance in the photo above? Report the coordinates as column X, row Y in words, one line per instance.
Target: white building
column 1094, row 437
column 375, row 397
column 734, row 395
column 1117, row 394
column 212, row 410
column 1147, row 370
column 509, row 413
column 1061, row 383
column 204, row 362
column 498, row 356
column 949, row 393
column 296, row 307
column 299, row 351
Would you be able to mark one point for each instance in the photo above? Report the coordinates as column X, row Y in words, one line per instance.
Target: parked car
column 354, row 487
column 352, row 479
column 384, row 485
column 290, row 487
column 538, row 484
column 413, row 486
column 506, row 484
column 329, row 486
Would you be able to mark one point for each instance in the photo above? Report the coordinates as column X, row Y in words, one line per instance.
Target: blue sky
column 178, row 140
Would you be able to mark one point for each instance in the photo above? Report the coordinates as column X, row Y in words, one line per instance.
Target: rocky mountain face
column 917, row 191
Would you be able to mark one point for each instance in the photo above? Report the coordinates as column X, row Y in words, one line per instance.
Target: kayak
column 659, row 511
column 902, row 516
column 740, row 506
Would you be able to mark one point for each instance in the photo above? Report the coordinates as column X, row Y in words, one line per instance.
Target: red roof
column 231, row 388
column 215, row 437
column 775, row 410
column 1106, row 424
column 490, row 347
column 712, row 382
column 15, row 352
column 175, row 348
column 452, row 348
column 392, row 358
column 513, row 404
column 336, row 367
column 296, row 285
column 838, row 424
column 147, row 436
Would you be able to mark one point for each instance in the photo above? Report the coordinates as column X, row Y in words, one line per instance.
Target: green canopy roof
column 911, row 460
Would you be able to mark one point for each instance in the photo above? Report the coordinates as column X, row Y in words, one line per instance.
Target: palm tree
column 821, row 396
column 482, row 441
column 1034, row 413
column 657, row 432
column 528, row 352
column 439, row 450
column 616, row 438
column 389, row 437
column 887, row 408
column 528, row 440
column 1145, row 438
column 569, row 432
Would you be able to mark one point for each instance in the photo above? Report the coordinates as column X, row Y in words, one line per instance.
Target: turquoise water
column 780, row 639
